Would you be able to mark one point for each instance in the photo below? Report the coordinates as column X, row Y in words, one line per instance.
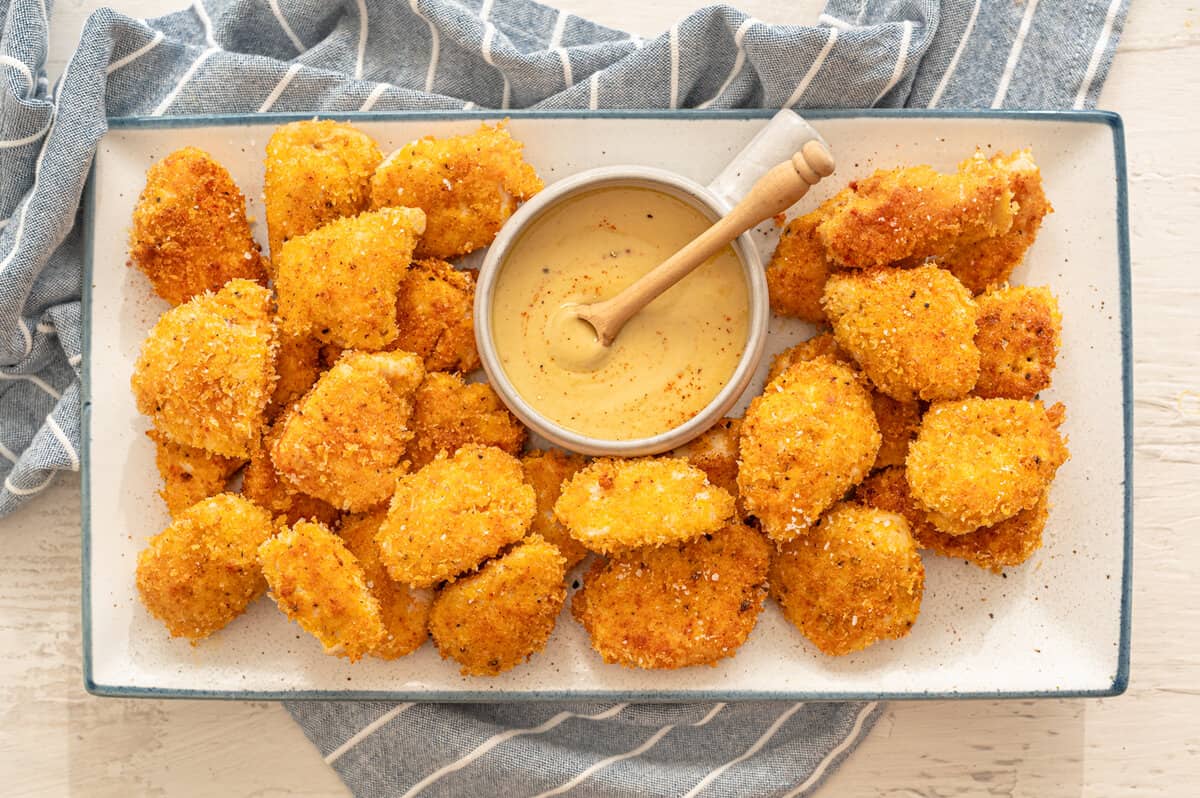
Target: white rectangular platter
column 1059, row 625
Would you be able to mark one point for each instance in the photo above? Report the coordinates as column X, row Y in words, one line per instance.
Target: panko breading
column 616, row 504
column 453, row 514
column 546, row 471
column 856, row 578
column 468, row 186
column 344, row 442
column 202, row 571
column 316, row 171
column 823, row 344
column 979, row 461
column 435, row 315
column 911, row 330
column 404, row 611
column 716, row 454
column 190, row 232
column 298, row 365
column 493, row 620
column 449, row 413
column 673, row 606
column 898, row 425
column 798, row 269
column 189, row 474
column 319, row 584
column 207, row 370
column 1019, row 333
column 340, row 283
column 262, row 485
column 806, row 441
column 1010, row 542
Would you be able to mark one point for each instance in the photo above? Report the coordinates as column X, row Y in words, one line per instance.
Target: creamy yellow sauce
column 669, row 361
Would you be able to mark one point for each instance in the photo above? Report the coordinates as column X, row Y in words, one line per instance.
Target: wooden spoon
column 776, row 191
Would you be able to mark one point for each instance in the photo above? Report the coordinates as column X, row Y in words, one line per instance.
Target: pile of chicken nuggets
column 318, row 439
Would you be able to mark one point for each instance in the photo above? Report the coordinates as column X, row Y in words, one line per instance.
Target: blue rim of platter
column 1120, row 680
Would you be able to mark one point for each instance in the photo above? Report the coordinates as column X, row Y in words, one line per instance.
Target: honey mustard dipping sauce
column 670, row 360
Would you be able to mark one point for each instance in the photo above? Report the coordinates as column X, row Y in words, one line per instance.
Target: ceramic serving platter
column 1057, row 626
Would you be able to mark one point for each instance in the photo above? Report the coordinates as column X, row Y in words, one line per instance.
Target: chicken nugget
column 856, row 578
column 1019, row 333
column 823, row 344
column 805, row 442
column 495, row 619
column 190, row 232
column 202, row 571
column 319, row 584
column 207, row 369
column 404, row 611
column 716, row 454
column 449, row 413
column 677, row 605
column 262, row 485
column 344, row 443
column 435, row 315
column 316, row 171
column 898, row 425
column 546, row 471
column 453, row 514
column 340, row 283
column 798, row 269
column 297, row 365
column 979, row 461
column 468, row 186
column 618, row 504
column 189, row 474
column 911, row 330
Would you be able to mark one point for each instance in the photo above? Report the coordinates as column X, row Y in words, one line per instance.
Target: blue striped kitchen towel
column 244, row 56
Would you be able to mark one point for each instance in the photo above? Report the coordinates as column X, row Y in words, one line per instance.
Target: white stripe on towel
column 802, row 86
column 366, row 731
column 901, row 61
column 57, row 432
column 1014, row 54
column 820, row 769
column 435, row 45
column 749, row 752
column 674, row 39
column 1097, row 53
column 207, row 22
column 279, row 88
column 283, row 23
column 136, row 54
column 13, row 489
column 738, row 62
column 958, row 51
column 191, row 71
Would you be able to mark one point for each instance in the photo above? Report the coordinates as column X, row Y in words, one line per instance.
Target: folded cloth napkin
column 243, row 56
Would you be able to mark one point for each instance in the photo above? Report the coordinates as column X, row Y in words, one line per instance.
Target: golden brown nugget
column 344, row 442
column 805, row 442
column 988, row 263
column 207, row 370
column 716, row 454
column 496, row 619
column 979, row 461
column 678, row 605
column 262, row 485
column 189, row 474
column 856, row 578
column 1020, row 330
column 435, row 314
column 340, row 283
column 618, row 504
column 911, row 330
column 453, row 514
column 823, row 344
column 468, row 186
column 190, row 232
column 202, row 571
column 297, row 365
column 316, row 171
column 798, row 269
column 404, row 611
column 449, row 413
column 898, row 426
column 319, row 584
column 546, row 471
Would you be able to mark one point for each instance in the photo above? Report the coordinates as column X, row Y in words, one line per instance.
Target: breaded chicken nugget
column 911, row 330
column 207, row 370
column 435, row 314
column 979, row 461
column 616, row 504
column 988, row 263
column 189, row 474
column 1019, row 333
column 319, row 584
column 1010, row 542
column 453, row 514
column 468, row 186
column 404, row 611
column 202, row 571
column 546, row 471
column 855, row 579
column 340, row 283
column 805, row 442
column 316, row 171
column 798, row 269
column 823, row 344
column 297, row 365
column 262, row 485
column 673, row 606
column 344, row 442
column 898, row 426
column 716, row 454
column 190, row 233
column 449, row 413
column 493, row 620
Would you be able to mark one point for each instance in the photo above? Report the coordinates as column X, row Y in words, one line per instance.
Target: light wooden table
column 55, row 739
